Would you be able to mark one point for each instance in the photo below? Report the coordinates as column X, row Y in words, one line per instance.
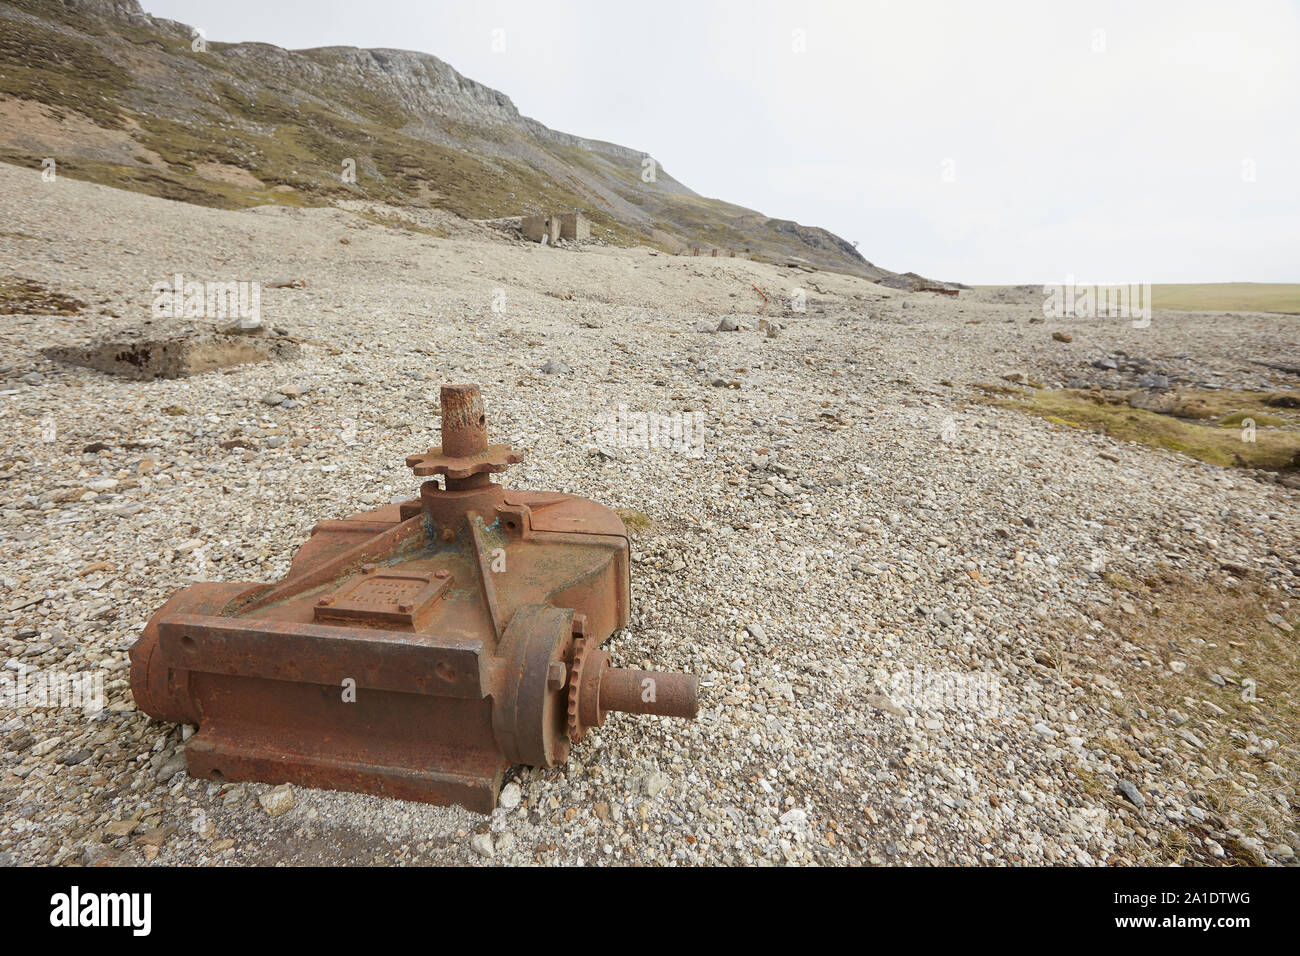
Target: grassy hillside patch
column 20, row 296
column 178, row 186
column 1204, row 425
column 61, row 71
column 1230, row 671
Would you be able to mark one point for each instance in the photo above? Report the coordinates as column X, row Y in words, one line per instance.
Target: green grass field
column 1281, row 297
column 1228, row 297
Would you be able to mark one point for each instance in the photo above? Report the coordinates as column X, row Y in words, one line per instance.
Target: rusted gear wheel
column 464, row 452
column 493, row 458
column 585, row 674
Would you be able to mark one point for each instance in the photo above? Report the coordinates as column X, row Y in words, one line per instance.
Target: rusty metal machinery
column 414, row 651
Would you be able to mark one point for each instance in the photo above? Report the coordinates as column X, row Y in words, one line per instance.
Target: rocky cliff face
column 233, row 124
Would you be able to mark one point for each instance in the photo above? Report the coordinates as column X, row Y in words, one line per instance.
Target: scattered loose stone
column 1279, row 622
column 121, row 828
column 883, row 704
column 171, row 768
column 277, row 802
column 1131, row 793
column 155, row 837
column 655, row 784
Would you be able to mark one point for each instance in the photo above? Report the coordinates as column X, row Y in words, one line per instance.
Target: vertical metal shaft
column 464, row 430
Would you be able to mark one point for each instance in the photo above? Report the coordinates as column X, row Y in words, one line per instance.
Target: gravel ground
column 859, row 530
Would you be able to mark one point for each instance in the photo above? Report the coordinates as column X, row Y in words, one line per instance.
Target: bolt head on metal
column 557, row 675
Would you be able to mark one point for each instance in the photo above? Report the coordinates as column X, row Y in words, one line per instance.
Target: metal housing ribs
column 414, row 651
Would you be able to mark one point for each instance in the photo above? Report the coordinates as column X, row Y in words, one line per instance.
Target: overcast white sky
column 983, row 142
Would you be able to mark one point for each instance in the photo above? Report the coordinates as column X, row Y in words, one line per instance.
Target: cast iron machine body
column 416, row 650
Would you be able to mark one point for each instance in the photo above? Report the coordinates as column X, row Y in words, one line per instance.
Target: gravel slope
column 857, row 528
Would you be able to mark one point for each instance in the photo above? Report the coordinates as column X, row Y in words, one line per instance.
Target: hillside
column 121, row 98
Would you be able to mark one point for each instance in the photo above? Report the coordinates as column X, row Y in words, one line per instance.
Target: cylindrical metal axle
column 649, row 692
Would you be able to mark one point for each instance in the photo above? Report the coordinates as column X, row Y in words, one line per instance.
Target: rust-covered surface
column 416, row 650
